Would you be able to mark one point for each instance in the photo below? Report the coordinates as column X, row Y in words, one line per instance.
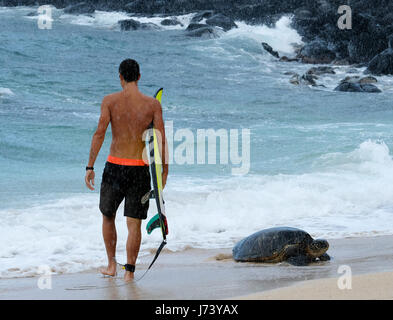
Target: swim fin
column 154, row 223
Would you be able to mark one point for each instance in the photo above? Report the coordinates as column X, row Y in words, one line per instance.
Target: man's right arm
column 158, row 122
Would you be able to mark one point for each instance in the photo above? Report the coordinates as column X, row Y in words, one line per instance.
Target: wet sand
column 197, row 274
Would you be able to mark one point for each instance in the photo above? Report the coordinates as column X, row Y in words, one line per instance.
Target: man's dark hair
column 129, row 69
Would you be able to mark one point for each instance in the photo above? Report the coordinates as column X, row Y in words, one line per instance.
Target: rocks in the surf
column 360, row 80
column 286, row 59
column 201, row 30
column 317, row 52
column 310, row 77
column 270, row 50
column 321, row 70
column 171, row 22
column 198, row 17
column 207, row 21
column 80, row 8
column 131, row 24
column 305, row 79
column 275, row 54
column 358, row 84
column 222, row 21
column 382, row 63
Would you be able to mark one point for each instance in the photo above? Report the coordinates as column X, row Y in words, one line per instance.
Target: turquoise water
column 319, row 159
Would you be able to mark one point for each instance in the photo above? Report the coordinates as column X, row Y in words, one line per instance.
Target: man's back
column 131, row 112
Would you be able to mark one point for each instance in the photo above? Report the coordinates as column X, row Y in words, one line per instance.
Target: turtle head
column 318, row 247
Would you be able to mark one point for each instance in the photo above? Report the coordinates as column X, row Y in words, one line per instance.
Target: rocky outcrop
column 321, row 70
column 270, row 50
column 382, row 64
column 317, row 52
column 305, row 79
column 358, row 84
column 202, row 31
column 171, row 22
column 219, row 20
column 131, row 24
column 213, row 19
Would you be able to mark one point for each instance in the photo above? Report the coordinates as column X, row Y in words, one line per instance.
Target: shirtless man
column 126, row 175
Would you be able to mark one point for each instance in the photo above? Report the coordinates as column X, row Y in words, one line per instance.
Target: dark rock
column 286, row 59
column 149, row 26
column 131, row 24
column 370, row 88
column 340, row 62
column 202, row 15
column 270, row 50
column 201, row 30
column 171, row 22
column 317, row 52
column 321, row 70
column 80, row 8
column 358, row 79
column 368, row 80
column 195, row 26
column 356, row 87
column 381, row 64
column 305, row 79
column 359, row 47
column 351, row 79
column 219, row 20
column 349, row 87
column 308, row 79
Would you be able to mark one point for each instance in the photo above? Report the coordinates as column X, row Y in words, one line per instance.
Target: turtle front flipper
column 324, row 257
column 299, row 261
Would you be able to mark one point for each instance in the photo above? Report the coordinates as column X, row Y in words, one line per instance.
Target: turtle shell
column 268, row 243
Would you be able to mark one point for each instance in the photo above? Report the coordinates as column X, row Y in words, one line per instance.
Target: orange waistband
column 126, row 162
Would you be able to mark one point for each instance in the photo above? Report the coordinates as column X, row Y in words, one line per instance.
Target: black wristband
column 89, row 168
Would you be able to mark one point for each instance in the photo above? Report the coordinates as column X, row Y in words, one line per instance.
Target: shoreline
column 210, row 274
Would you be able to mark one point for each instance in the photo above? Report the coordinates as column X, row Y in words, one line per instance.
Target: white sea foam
column 280, row 37
column 6, row 92
column 109, row 20
column 101, row 19
column 347, row 194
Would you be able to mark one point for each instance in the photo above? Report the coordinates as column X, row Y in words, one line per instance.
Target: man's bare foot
column 109, row 271
column 129, row 276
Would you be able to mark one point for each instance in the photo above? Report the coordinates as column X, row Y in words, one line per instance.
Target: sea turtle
column 273, row 245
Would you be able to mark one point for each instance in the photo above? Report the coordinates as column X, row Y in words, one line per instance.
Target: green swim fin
column 154, row 223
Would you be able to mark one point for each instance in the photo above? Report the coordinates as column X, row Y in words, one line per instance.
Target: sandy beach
column 198, row 274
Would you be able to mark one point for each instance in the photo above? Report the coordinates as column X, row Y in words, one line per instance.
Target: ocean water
column 319, row 160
